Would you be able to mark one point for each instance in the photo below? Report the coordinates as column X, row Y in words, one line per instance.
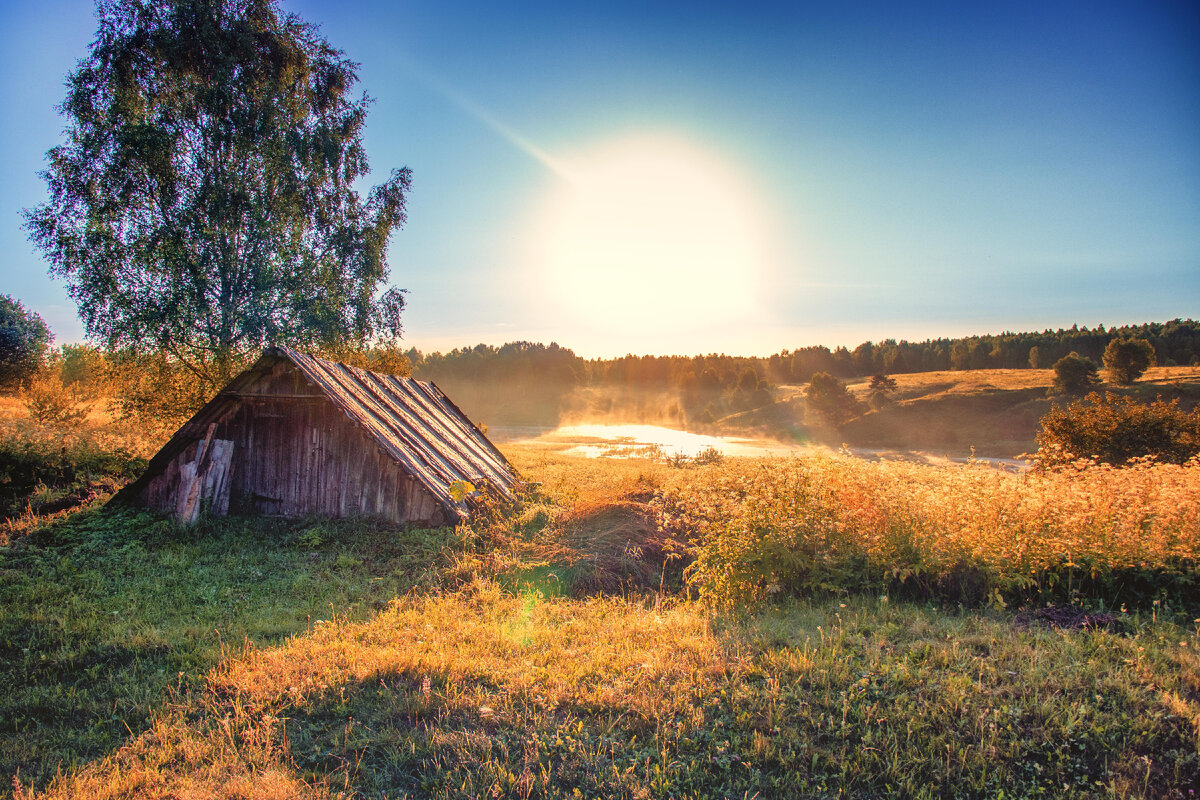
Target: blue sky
column 903, row 170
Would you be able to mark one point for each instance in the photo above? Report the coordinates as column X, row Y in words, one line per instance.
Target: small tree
column 1035, row 357
column 53, row 405
column 880, row 391
column 24, row 339
column 1125, row 360
column 1074, row 374
column 829, row 399
column 1115, row 429
column 84, row 368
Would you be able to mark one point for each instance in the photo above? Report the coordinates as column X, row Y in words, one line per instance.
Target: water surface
column 631, row 441
column 595, row 440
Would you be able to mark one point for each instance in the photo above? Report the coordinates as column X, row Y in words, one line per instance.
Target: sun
column 652, row 238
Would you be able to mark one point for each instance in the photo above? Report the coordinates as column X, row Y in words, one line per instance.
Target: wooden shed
column 296, row 435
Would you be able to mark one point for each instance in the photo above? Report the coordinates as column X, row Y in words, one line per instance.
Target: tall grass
column 972, row 534
column 270, row 659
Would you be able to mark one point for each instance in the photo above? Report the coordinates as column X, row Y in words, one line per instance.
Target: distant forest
column 526, row 383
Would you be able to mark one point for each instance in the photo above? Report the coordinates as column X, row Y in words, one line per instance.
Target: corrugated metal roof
column 414, row 423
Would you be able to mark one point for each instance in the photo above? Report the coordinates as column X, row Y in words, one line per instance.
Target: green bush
column 1074, row 374
column 24, row 339
column 829, row 400
column 1126, row 359
column 54, row 405
column 1114, row 429
column 44, row 473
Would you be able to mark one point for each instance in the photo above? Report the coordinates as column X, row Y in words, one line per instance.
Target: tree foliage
column 831, row 401
column 203, row 203
column 1174, row 342
column 879, row 393
column 1114, row 429
column 1125, row 360
column 1074, row 374
column 24, row 339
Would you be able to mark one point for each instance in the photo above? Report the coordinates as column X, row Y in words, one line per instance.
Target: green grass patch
column 269, row 658
column 490, row 695
column 104, row 612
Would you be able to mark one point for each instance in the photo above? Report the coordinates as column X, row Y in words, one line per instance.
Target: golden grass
column 483, row 693
column 483, row 647
column 928, row 385
column 480, row 653
column 231, row 758
column 569, row 480
column 766, row 525
column 640, row 697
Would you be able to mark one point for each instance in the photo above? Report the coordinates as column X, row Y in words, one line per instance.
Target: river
column 633, row 441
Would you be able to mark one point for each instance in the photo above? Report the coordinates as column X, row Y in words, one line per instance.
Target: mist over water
column 636, row 440
column 617, row 440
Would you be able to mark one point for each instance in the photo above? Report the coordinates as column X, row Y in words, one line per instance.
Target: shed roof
column 412, row 421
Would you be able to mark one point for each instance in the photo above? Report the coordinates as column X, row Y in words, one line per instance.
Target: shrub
column 54, row 405
column 826, row 525
column 880, row 391
column 40, row 473
column 154, row 391
column 829, row 399
column 1114, row 430
column 1074, row 374
column 24, row 339
column 1126, row 359
column 84, row 368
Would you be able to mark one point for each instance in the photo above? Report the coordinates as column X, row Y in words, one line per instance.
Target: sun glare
column 652, row 238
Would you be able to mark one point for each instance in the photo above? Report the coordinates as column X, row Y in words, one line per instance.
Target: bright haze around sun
column 648, row 238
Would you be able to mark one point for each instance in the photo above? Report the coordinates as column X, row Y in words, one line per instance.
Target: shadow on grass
column 818, row 702
column 103, row 613
column 400, row 734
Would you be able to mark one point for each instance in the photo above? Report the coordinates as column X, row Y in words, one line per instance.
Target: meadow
column 644, row 628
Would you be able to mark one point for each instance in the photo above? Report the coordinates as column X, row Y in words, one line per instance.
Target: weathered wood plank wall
column 296, row 453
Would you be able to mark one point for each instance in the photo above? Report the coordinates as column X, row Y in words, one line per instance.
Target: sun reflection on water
column 616, row 441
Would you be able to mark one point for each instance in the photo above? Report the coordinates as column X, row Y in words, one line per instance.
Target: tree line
column 1175, row 343
column 529, row 381
column 524, row 382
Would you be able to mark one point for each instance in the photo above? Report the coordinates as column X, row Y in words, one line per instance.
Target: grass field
column 776, row 628
column 992, row 412
column 533, row 657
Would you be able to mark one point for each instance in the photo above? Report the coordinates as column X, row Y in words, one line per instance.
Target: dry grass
column 929, row 385
column 176, row 760
column 841, row 523
column 991, row 412
column 570, row 481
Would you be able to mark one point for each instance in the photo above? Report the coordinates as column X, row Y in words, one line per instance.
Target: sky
column 699, row 177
